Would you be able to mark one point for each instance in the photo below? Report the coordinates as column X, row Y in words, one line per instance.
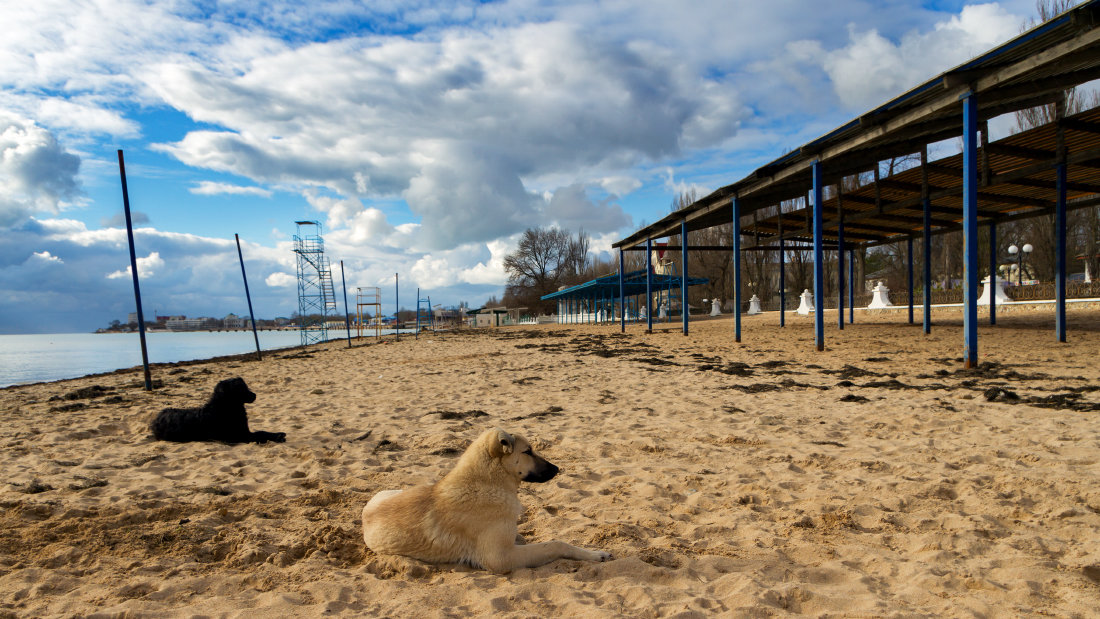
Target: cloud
column 211, row 188
column 461, row 125
column 571, row 209
column 279, row 279
column 872, row 68
column 118, row 220
column 39, row 175
column 147, row 267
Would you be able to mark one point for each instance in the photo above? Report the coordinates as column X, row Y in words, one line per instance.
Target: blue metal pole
column 819, row 274
column 649, row 285
column 248, row 297
column 851, row 286
column 840, row 267
column 343, row 286
column 927, row 240
column 970, row 229
column 910, row 260
column 396, row 309
column 622, row 293
column 684, row 274
column 134, row 272
column 992, row 272
column 416, row 334
column 782, row 284
column 1060, row 270
column 736, row 269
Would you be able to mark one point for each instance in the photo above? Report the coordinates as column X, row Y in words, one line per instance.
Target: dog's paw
column 598, row 556
column 279, row 437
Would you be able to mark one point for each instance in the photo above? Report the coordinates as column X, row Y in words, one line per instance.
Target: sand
column 875, row 479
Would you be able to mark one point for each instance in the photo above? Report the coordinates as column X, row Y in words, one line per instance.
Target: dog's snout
column 543, row 471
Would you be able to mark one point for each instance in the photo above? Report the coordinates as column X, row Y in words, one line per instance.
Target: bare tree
column 545, row 259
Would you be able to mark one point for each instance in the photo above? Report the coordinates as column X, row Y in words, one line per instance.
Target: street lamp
column 1015, row 251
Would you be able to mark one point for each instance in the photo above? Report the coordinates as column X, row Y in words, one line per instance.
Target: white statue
column 807, row 304
column 754, row 305
column 880, row 298
column 1001, row 296
column 716, row 307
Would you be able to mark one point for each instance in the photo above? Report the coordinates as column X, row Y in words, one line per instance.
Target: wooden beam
column 1020, row 152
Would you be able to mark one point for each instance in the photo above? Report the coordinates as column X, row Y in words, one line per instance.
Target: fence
column 1031, row 292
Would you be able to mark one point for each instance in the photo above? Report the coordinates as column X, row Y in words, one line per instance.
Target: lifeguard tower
column 316, row 293
column 371, row 299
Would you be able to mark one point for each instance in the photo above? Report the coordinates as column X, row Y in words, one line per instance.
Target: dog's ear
column 503, row 443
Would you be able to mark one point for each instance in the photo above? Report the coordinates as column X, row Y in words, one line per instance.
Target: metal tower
column 316, row 293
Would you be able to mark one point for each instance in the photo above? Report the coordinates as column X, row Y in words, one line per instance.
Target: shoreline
column 876, row 478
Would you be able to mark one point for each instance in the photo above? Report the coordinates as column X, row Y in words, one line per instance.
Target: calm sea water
column 34, row 358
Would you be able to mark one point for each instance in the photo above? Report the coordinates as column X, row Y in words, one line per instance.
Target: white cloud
column 211, row 188
column 147, row 267
column 39, row 176
column 279, row 279
column 460, row 125
column 872, row 68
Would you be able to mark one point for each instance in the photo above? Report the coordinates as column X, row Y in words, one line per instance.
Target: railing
column 1031, row 292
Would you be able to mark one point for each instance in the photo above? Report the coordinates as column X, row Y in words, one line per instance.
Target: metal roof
column 634, row 283
column 1032, row 69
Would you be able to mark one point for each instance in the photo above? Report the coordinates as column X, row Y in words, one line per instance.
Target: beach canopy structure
column 1043, row 171
column 596, row 299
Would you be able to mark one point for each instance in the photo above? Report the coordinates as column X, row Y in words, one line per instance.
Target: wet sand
column 878, row 478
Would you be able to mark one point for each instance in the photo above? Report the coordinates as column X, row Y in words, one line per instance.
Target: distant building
column 233, row 321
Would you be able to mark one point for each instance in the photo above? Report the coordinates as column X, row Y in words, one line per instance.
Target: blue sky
column 424, row 136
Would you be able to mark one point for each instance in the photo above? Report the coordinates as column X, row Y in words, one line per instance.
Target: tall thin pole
column 684, row 274
column 134, row 272
column 909, row 273
column 622, row 293
column 782, row 273
column 840, row 256
column 992, row 272
column 649, row 286
column 926, row 239
column 970, row 230
column 396, row 309
column 344, row 286
column 248, row 297
column 819, row 276
column 736, row 208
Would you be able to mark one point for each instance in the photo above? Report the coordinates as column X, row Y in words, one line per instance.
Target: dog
column 222, row 418
column 470, row 515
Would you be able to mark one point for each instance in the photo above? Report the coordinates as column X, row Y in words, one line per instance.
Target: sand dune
column 876, row 479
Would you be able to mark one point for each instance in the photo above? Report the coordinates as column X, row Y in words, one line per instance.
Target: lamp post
column 1015, row 251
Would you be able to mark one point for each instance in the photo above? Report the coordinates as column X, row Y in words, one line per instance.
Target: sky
column 423, row 136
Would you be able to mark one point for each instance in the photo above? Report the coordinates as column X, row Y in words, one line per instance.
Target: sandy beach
column 876, row 479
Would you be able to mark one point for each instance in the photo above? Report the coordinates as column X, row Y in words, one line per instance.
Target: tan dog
column 470, row 515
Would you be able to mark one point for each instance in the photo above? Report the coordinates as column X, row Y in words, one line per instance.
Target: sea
column 56, row 356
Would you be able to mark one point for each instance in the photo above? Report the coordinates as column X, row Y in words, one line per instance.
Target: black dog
column 223, row 418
